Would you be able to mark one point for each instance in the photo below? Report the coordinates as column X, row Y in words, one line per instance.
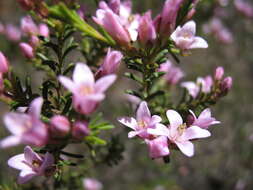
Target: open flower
column 185, row 39
column 86, row 92
column 204, row 120
column 26, row 128
column 31, row 164
column 178, row 133
column 143, row 121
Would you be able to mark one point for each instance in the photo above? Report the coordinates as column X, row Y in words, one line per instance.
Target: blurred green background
column 224, row 161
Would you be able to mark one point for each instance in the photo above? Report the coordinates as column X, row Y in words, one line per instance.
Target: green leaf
column 95, row 140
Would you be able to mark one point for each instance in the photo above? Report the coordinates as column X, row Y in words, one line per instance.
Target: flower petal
column 35, row 107
column 159, row 130
column 132, row 134
column 82, row 74
column 25, row 176
column 48, row 162
column 104, row 83
column 10, row 141
column 199, row 43
column 186, row 148
column 143, row 111
column 18, row 162
column 174, row 118
column 30, row 155
column 129, row 122
column 158, row 147
column 67, row 83
column 190, row 27
column 195, row 132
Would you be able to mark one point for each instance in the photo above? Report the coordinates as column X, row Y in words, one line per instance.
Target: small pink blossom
column 110, row 64
column 244, row 8
column 143, row 121
column 158, row 147
column 204, row 120
column 92, row 184
column 219, row 72
column 28, row 26
column 178, row 133
column 185, row 39
column 44, row 30
column 86, row 92
column 226, row 85
column 27, row 50
column 203, row 84
column 173, row 73
column 59, row 126
column 31, row 165
column 34, row 41
column 4, row 63
column 12, row 32
column 80, row 130
column 146, row 31
column 26, row 128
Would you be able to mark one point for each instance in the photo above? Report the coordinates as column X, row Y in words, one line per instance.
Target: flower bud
column 80, row 130
column 219, row 72
column 190, row 120
column 60, row 126
column 34, row 41
column 27, row 50
column 44, row 30
column 28, row 26
column 12, row 32
column 92, row 184
column 226, row 85
column 4, row 64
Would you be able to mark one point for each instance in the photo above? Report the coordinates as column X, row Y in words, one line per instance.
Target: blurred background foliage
column 224, row 161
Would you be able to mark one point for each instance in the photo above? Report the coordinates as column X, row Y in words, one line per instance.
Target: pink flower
column 185, row 39
column 173, row 73
column 112, row 24
column 28, row 26
column 27, row 50
column 92, row 184
column 226, row 85
column 158, row 147
column 178, row 133
column 219, row 72
column 166, row 21
column 143, row 121
column 244, row 7
column 204, row 120
column 59, row 126
column 44, row 30
column 4, row 63
column 203, row 84
column 26, row 128
column 86, row 92
column 2, row 28
column 110, row 64
column 31, row 165
column 80, row 130
column 34, row 41
column 146, row 31
column 12, row 32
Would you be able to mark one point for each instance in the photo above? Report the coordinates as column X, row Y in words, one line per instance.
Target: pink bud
column 44, row 30
column 4, row 63
column 60, row 126
column 80, row 130
column 12, row 32
column 34, row 41
column 92, row 184
column 28, row 26
column 27, row 50
column 226, row 85
column 219, row 72
column 190, row 120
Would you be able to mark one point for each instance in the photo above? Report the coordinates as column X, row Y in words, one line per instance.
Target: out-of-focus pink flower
column 80, row 130
column 12, row 32
column 110, row 64
column 178, row 133
column 4, row 63
column 2, row 28
column 112, row 24
column 86, row 92
column 146, row 31
column 34, row 41
column 28, row 26
column 244, row 8
column 173, row 73
column 185, row 39
column 59, row 126
column 203, row 84
column 143, row 121
column 26, row 128
column 27, row 50
column 44, row 30
column 31, row 165
column 219, row 72
column 92, row 184
column 204, row 120
column 166, row 21
column 158, row 147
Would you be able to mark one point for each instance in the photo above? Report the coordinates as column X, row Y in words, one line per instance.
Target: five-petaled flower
column 31, row 165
